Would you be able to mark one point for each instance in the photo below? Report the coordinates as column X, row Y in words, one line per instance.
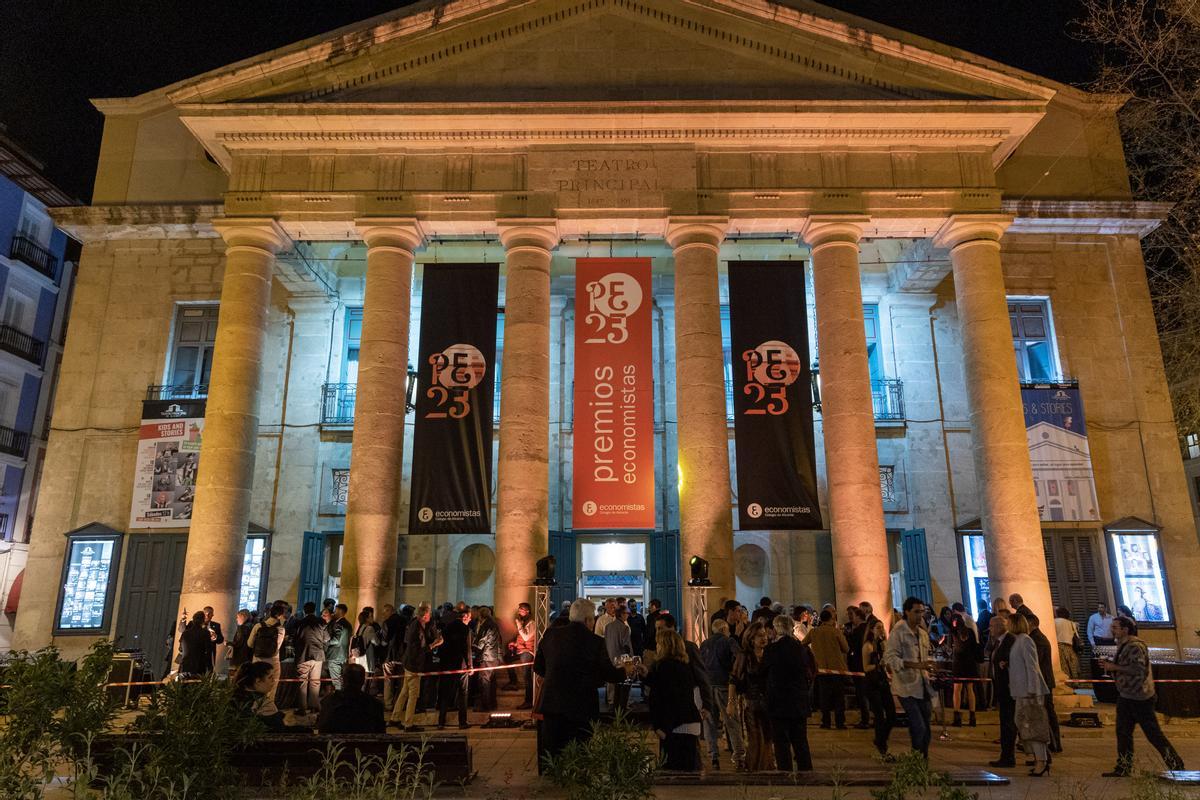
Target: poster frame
column 266, row 569
column 73, row 537
column 1111, row 535
column 961, row 536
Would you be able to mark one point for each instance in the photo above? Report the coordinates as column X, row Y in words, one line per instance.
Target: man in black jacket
column 1046, row 666
column 420, row 639
column 454, row 654
column 790, row 668
column 573, row 663
column 311, row 639
column 1003, row 695
column 337, row 651
column 350, row 709
column 392, row 631
column 648, row 643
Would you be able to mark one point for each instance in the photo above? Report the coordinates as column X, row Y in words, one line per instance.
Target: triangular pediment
column 606, row 50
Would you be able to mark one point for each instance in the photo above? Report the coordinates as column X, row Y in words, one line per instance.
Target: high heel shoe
column 1044, row 771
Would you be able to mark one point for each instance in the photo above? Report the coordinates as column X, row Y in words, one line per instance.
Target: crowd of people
column 750, row 685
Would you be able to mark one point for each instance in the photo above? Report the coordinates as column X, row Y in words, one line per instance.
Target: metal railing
column 887, row 398
column 337, row 403
column 14, row 442
column 22, row 344
column 177, row 391
column 27, row 250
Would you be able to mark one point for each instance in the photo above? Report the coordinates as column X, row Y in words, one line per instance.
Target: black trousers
column 485, row 699
column 1140, row 713
column 790, row 737
column 558, row 731
column 452, row 693
column 1008, row 726
column 862, row 699
column 883, row 709
column 829, row 695
column 681, row 751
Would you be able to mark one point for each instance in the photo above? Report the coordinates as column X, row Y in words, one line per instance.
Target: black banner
column 772, row 397
column 452, row 441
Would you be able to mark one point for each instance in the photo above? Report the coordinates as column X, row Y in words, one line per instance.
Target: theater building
column 848, row 313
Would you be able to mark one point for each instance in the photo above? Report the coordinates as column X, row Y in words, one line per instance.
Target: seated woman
column 251, row 683
column 674, row 703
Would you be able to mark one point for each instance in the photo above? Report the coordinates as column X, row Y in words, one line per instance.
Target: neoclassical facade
column 947, row 212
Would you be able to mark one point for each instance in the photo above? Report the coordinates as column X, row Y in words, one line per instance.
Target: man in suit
column 214, row 632
column 455, row 654
column 790, row 669
column 350, row 709
column 1017, row 604
column 573, row 663
column 1003, row 695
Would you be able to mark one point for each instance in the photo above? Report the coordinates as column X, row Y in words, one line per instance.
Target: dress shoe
column 1002, row 764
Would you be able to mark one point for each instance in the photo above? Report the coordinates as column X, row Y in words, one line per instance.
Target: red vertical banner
column 613, row 472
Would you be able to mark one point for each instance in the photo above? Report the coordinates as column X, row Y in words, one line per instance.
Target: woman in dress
column 1029, row 692
column 878, row 685
column 674, row 703
column 748, row 699
column 1068, row 641
column 964, row 668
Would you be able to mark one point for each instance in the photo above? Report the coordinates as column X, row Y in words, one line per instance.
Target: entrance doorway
column 320, row 567
column 613, row 567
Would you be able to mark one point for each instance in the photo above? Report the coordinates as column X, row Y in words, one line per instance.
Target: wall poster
column 1138, row 575
column 978, row 594
column 613, row 469
column 1059, row 452
column 168, row 461
column 452, row 439
column 772, row 397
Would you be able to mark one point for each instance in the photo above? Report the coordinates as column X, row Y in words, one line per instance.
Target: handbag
column 1032, row 723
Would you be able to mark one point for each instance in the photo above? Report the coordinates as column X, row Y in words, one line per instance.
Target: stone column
column 1012, row 529
column 860, row 553
column 522, row 477
column 212, row 569
column 705, row 496
column 377, row 450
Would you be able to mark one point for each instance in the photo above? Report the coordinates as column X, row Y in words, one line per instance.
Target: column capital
column 825, row 229
column 696, row 232
column 519, row 233
column 963, row 228
column 401, row 233
column 261, row 233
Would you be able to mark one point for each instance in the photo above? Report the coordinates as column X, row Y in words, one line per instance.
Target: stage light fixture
column 699, row 572
column 545, row 572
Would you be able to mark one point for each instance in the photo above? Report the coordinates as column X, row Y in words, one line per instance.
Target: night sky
column 56, row 54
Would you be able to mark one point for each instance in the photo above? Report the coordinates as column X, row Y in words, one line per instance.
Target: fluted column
column 1012, row 528
column 705, row 496
column 377, row 452
column 860, row 554
column 523, row 478
column 212, row 569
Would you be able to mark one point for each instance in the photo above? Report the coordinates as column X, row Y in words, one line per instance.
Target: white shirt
column 602, row 623
column 1099, row 625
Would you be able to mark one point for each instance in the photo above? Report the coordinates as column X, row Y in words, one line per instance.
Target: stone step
column 861, row 776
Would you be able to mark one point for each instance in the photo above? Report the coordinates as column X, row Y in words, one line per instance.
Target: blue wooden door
column 562, row 547
column 150, row 596
column 916, row 565
column 312, row 568
column 664, row 571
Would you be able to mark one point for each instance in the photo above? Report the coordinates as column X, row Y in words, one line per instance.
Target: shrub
column 402, row 775
column 616, row 763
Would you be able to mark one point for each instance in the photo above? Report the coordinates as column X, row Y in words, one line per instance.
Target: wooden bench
column 301, row 755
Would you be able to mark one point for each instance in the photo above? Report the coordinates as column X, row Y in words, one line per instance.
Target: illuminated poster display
column 89, row 578
column 254, row 566
column 1059, row 452
column 168, row 461
column 974, row 571
column 1138, row 575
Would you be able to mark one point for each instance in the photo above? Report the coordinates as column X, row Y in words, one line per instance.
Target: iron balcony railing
column 337, row 404
column 22, row 344
column 27, row 250
column 887, row 397
column 13, row 442
column 177, row 391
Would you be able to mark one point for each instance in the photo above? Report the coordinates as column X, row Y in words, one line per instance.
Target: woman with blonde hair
column 748, row 699
column 674, row 703
column 1029, row 692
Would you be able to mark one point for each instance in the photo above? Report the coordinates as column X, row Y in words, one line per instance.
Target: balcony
column 30, row 252
column 337, row 404
column 179, row 391
column 15, row 443
column 22, row 344
column 887, row 398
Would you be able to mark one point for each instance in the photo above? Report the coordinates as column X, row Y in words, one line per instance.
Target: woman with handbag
column 1029, row 692
column 363, row 649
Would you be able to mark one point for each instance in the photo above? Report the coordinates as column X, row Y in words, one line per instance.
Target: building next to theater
column 37, row 270
column 957, row 238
